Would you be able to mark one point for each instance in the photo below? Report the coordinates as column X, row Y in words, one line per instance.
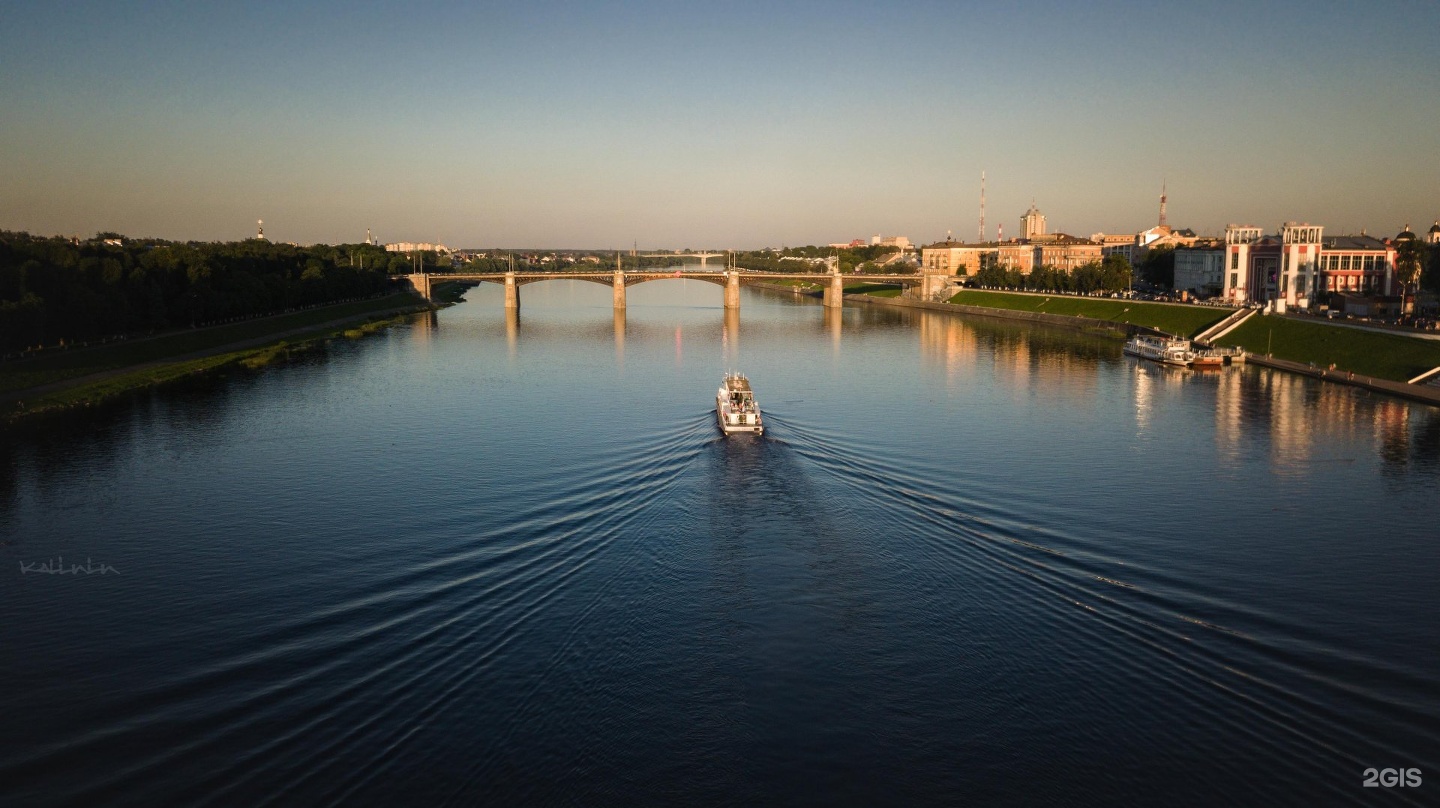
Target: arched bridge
column 925, row 285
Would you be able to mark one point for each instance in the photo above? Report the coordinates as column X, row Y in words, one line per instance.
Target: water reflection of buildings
column 1058, row 364
column 425, row 327
column 1307, row 421
column 1153, row 382
column 1023, row 359
column 1393, row 431
column 1229, row 417
column 949, row 342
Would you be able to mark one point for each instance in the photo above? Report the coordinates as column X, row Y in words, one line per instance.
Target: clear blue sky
column 711, row 124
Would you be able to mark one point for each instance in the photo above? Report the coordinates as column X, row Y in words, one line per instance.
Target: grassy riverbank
column 45, row 384
column 1172, row 318
column 873, row 289
column 1386, row 356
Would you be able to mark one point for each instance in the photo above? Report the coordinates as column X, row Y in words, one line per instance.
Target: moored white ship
column 735, row 406
column 1167, row 350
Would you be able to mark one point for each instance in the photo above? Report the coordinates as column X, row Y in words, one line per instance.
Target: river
column 512, row 561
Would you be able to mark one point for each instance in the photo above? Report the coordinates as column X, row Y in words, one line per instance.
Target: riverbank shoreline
column 1413, row 392
column 90, row 389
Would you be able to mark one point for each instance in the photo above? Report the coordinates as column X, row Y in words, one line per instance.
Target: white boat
column 1166, row 350
column 735, row 406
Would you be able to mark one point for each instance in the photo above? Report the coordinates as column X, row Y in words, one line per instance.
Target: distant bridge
column 926, row 286
column 703, row 256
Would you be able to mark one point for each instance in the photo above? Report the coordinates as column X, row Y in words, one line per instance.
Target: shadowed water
column 479, row 559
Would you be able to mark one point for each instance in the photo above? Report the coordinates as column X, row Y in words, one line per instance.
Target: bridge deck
column 499, row 277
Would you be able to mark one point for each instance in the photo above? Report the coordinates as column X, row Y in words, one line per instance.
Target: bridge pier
column 835, row 292
column 420, row 282
column 933, row 285
column 620, row 291
column 732, row 290
column 512, row 292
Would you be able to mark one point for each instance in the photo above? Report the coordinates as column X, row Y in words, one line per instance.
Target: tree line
column 851, row 258
column 570, row 263
column 59, row 289
column 1111, row 275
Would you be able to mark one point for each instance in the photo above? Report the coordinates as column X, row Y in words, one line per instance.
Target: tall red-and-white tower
column 982, row 207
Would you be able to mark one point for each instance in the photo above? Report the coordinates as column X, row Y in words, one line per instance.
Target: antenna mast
column 982, row 207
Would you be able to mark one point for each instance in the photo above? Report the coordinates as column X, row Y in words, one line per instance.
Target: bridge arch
column 717, row 279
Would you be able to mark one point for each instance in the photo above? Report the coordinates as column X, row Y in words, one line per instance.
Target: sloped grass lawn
column 1172, row 318
column 1386, row 356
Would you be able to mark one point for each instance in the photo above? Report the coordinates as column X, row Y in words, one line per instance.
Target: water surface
column 512, row 560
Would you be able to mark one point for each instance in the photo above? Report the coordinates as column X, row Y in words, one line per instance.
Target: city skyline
column 571, row 126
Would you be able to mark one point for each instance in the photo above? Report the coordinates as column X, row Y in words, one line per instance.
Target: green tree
column 1409, row 266
column 1158, row 267
column 1116, row 273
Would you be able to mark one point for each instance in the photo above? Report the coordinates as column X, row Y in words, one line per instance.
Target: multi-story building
column 1299, row 264
column 1058, row 250
column 1032, row 224
column 1282, row 270
column 1115, row 244
column 1134, row 246
column 1064, row 251
column 958, row 258
column 1361, row 264
column 1016, row 255
column 951, row 258
column 1199, row 270
column 1235, row 284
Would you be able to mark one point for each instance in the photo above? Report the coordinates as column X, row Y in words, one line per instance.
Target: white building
column 1239, row 239
column 413, row 246
column 1032, row 224
column 1299, row 263
column 1199, row 271
column 890, row 241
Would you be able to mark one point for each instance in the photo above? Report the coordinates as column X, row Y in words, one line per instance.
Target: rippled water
column 478, row 560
